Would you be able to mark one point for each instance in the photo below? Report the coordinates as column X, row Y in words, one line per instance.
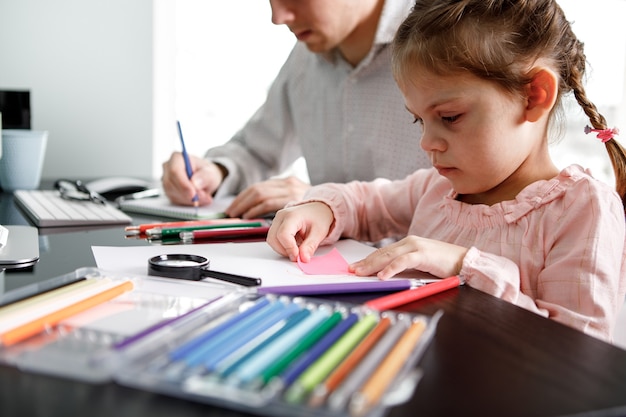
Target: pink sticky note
column 330, row 264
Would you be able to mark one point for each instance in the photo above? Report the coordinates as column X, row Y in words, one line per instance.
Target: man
column 334, row 102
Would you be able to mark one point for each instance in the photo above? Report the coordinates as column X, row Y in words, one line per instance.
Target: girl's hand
column 298, row 230
column 413, row 252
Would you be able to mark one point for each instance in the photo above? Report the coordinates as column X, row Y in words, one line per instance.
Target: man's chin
column 317, row 47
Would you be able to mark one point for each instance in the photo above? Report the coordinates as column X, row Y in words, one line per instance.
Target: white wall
column 88, row 65
column 599, row 24
column 108, row 85
column 214, row 61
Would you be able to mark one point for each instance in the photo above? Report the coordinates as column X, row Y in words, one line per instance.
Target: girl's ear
column 541, row 94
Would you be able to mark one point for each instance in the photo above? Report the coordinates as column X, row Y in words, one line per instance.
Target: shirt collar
column 393, row 14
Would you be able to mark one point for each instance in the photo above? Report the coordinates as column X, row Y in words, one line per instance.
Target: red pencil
column 391, row 301
column 227, row 233
column 142, row 228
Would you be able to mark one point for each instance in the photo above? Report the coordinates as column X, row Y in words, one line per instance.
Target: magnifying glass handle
column 234, row 278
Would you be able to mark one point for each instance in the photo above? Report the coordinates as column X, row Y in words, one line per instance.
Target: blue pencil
column 264, row 358
column 302, row 363
column 239, row 339
column 228, row 369
column 184, row 350
column 202, row 352
column 187, row 161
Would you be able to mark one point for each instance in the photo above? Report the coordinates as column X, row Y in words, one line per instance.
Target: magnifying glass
column 194, row 268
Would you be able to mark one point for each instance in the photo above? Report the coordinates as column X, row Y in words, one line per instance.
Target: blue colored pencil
column 182, row 351
column 314, row 336
column 212, row 346
column 302, row 363
column 228, row 369
column 158, row 326
column 188, row 168
column 239, row 339
column 252, row 368
column 330, row 358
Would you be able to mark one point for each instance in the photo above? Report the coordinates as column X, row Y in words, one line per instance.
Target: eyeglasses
column 76, row 190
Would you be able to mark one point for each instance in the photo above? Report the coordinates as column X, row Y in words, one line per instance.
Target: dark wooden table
column 488, row 357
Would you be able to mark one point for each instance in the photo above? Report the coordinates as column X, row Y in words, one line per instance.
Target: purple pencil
column 340, row 287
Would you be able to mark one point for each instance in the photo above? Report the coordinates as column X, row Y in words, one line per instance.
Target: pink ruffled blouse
column 558, row 249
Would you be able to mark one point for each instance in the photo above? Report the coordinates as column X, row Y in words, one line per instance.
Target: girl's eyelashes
column 450, row 119
column 447, row 119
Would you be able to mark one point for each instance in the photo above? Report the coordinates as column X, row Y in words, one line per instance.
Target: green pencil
column 320, row 369
column 306, row 342
column 165, row 232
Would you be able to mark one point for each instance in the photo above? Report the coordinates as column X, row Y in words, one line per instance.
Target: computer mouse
column 111, row 187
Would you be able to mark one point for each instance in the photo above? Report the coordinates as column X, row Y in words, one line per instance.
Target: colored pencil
column 48, row 305
column 404, row 297
column 244, row 335
column 143, row 228
column 36, row 326
column 320, row 348
column 224, row 233
column 370, row 394
column 338, row 399
column 218, row 342
column 253, row 368
column 158, row 326
column 175, row 232
column 305, row 343
column 320, row 369
column 340, row 287
column 10, row 309
column 188, row 167
column 182, row 351
column 228, row 368
column 32, row 290
column 322, row 391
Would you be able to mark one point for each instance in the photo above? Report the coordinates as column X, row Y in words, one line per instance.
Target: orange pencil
column 40, row 324
column 344, row 369
column 142, row 228
column 376, row 385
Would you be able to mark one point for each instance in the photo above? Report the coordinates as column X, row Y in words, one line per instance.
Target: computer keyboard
column 46, row 208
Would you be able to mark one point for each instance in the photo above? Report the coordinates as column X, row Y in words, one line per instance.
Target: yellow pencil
column 373, row 389
column 40, row 324
column 36, row 299
column 46, row 306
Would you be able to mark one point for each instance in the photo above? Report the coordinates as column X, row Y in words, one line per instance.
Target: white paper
column 254, row 259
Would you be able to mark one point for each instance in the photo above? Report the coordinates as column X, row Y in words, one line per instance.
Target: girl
column 485, row 80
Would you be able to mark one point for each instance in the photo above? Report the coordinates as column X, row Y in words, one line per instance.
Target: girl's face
column 476, row 135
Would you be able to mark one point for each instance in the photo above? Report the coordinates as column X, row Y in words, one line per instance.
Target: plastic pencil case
column 86, row 345
column 231, row 354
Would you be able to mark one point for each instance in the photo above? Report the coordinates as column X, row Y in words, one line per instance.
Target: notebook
column 162, row 207
column 46, row 208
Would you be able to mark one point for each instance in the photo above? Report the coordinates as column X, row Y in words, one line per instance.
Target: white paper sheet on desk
column 254, row 259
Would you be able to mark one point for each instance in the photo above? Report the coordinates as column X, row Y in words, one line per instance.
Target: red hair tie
column 603, row 134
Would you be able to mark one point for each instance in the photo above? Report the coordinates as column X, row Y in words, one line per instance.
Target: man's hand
column 205, row 180
column 266, row 197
